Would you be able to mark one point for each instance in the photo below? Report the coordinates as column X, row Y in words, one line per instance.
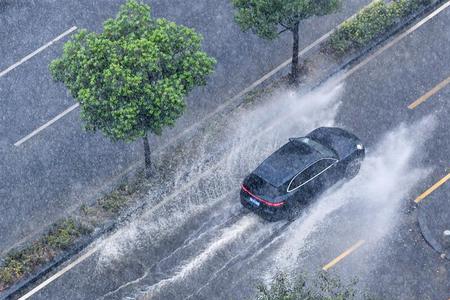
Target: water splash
column 388, row 174
column 251, row 134
column 225, row 237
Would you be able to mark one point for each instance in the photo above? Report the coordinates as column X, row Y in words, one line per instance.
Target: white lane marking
column 396, row 40
column 4, row 72
column 247, row 89
column 59, row 273
column 208, row 116
column 36, row 131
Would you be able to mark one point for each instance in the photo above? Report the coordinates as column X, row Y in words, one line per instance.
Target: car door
column 311, row 180
column 301, row 185
column 328, row 173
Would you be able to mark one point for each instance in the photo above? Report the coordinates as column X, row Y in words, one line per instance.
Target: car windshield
column 315, row 145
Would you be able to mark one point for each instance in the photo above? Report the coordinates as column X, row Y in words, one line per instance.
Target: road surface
column 196, row 242
column 56, row 170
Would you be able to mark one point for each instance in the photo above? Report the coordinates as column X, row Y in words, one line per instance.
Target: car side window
column 322, row 164
column 309, row 173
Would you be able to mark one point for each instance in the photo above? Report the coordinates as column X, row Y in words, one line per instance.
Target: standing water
column 195, row 241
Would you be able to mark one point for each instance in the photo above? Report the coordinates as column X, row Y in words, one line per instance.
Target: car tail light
column 272, row 204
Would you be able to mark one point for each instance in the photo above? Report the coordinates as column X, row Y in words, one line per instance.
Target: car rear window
column 260, row 187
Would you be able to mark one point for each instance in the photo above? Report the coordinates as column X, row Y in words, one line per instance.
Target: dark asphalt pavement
column 55, row 171
column 186, row 248
column 434, row 220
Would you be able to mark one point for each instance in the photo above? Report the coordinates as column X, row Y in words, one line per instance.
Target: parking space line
column 430, row 93
column 4, row 72
column 395, row 40
column 36, row 131
column 343, row 255
column 432, row 188
column 271, row 73
column 210, row 115
column 244, row 91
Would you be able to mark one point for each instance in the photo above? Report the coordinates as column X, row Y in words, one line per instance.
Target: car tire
column 353, row 168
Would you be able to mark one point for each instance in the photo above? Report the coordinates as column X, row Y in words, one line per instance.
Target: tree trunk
column 147, row 158
column 294, row 67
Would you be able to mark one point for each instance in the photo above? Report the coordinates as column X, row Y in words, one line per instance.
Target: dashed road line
column 9, row 69
column 430, row 93
column 271, row 73
column 208, row 116
column 36, row 131
column 432, row 188
column 343, row 255
column 250, row 87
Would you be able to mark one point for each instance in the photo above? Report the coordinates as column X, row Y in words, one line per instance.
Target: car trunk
column 259, row 187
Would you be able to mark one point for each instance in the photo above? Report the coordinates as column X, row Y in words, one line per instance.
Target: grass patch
column 369, row 24
column 64, row 234
column 19, row 263
column 113, row 202
column 321, row 286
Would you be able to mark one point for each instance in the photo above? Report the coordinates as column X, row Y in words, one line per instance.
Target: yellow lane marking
column 432, row 189
column 430, row 93
column 343, row 255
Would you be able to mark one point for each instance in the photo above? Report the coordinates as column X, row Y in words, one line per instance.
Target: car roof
column 286, row 162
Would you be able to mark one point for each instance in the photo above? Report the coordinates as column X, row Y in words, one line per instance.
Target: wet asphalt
column 62, row 167
column 200, row 244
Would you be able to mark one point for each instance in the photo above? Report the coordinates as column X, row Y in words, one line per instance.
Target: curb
column 354, row 57
column 428, row 236
column 21, row 286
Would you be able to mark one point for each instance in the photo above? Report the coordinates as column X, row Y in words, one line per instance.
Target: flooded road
column 193, row 240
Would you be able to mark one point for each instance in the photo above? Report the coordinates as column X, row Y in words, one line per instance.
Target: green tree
column 321, row 287
column 269, row 18
column 133, row 77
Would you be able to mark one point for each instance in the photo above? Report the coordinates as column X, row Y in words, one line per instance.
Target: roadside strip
column 396, row 40
column 59, row 273
column 432, row 188
column 6, row 71
column 343, row 255
column 430, row 93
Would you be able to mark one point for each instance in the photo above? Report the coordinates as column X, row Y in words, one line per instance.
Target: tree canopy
column 265, row 17
column 132, row 77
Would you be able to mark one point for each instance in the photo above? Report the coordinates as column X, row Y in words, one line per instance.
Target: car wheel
column 352, row 168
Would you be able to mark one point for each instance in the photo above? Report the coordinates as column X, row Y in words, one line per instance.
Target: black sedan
column 300, row 169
